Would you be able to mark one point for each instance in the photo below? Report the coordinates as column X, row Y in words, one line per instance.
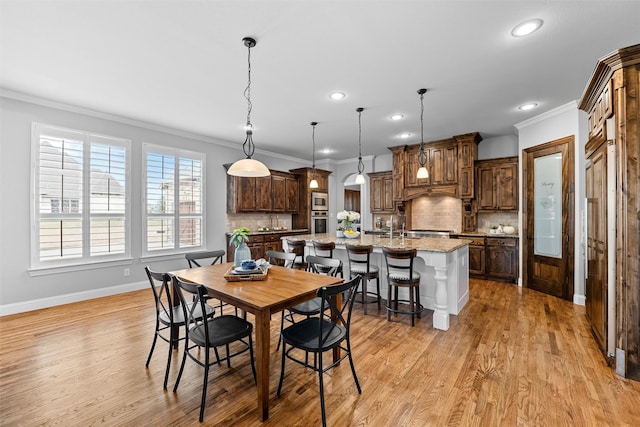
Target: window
column 80, row 204
column 174, row 199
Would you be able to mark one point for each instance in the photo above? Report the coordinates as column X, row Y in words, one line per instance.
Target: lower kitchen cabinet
column 259, row 244
column 493, row 258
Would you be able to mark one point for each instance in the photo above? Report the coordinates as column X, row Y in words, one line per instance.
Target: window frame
column 177, row 154
column 86, row 260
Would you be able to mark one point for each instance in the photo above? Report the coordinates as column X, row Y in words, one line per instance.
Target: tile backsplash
column 436, row 213
column 253, row 221
column 487, row 220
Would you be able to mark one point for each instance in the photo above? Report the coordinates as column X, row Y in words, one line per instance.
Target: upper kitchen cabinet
column 398, row 172
column 381, row 192
column 497, row 185
column 276, row 193
column 467, row 155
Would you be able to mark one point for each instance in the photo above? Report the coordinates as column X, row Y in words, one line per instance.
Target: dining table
column 281, row 288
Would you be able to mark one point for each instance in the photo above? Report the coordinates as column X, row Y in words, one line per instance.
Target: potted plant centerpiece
column 345, row 221
column 239, row 239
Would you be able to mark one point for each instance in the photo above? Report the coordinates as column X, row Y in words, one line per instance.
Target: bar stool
column 400, row 274
column 296, row 246
column 325, row 250
column 360, row 265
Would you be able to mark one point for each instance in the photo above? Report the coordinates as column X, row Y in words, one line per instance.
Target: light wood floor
column 512, row 357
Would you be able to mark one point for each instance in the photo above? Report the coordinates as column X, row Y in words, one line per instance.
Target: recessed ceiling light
column 405, row 135
column 326, row 151
column 527, row 107
column 526, row 28
column 397, row 117
column 337, row 96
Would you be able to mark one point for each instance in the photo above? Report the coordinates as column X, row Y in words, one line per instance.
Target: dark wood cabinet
column 302, row 217
column 502, row 258
column 352, row 200
column 381, row 192
column 497, row 185
column 467, row 155
column 259, row 244
column 398, row 172
column 493, row 258
column 276, row 193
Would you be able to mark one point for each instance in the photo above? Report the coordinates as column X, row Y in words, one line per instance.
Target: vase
column 347, row 224
column 242, row 253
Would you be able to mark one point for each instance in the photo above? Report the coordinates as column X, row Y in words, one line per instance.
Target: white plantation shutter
column 174, row 199
column 81, row 206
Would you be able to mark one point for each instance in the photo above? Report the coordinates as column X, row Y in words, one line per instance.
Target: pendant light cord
column 422, row 157
column 248, row 147
column 313, row 154
column 360, row 164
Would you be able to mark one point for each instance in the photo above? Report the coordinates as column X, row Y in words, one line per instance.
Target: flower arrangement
column 345, row 218
column 239, row 236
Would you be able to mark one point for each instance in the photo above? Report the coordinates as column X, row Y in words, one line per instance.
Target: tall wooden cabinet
column 302, row 218
column 612, row 100
column 381, row 192
column 497, row 189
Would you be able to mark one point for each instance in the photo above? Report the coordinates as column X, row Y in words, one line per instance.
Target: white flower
column 348, row 216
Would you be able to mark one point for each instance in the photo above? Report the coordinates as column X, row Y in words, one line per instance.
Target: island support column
column 441, row 312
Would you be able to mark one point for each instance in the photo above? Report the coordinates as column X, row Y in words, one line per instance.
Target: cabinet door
column 486, row 185
column 278, row 188
column 376, row 194
column 387, row 193
column 291, row 190
column 502, row 258
column 412, row 167
column 246, row 194
column 264, row 199
column 444, row 165
column 476, row 260
column 398, row 175
column 506, row 187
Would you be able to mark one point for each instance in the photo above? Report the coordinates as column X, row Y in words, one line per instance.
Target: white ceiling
column 182, row 64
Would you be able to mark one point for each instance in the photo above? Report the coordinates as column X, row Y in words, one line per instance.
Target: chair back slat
column 399, row 260
column 359, row 255
column 161, row 293
column 339, row 315
column 195, row 258
column 322, row 265
column 284, row 259
column 193, row 306
column 323, row 249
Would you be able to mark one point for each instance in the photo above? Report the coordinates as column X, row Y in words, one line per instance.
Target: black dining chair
column 197, row 259
column 325, row 250
column 169, row 315
column 209, row 334
column 327, row 331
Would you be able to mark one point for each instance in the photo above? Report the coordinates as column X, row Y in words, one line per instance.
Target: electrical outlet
column 127, row 272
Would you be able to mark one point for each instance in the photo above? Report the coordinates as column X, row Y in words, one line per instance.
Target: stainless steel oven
column 319, row 201
column 319, row 221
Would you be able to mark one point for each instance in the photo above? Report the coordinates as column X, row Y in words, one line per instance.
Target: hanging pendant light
column 422, row 157
column 248, row 166
column 360, row 176
column 314, row 181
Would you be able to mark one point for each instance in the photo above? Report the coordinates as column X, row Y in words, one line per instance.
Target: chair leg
column 324, row 416
column 281, row 328
column 253, row 365
column 166, row 372
column 364, row 281
column 412, row 307
column 228, row 358
column 204, row 386
column 389, row 301
column 418, row 302
column 353, row 368
column 184, row 359
column 153, row 344
column 378, row 288
column 284, row 349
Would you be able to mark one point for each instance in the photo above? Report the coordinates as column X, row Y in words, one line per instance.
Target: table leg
column 263, row 349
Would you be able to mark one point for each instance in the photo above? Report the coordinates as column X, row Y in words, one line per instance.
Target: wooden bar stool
column 400, row 274
column 325, row 250
column 360, row 265
column 296, row 246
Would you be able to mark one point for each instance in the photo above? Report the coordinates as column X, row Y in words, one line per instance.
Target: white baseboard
column 36, row 304
column 579, row 299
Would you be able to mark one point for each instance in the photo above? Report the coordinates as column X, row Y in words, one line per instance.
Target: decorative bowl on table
column 350, row 234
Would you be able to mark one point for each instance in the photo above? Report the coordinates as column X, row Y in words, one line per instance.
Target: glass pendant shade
column 423, row 173
column 248, row 167
column 313, row 183
column 360, row 179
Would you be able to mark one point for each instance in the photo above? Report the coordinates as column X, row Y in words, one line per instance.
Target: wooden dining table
column 282, row 288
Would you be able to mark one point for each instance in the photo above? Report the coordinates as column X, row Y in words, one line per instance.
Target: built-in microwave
column 319, row 201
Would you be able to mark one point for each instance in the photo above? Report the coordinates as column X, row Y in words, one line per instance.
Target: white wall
column 561, row 122
column 19, row 291
column 500, row 146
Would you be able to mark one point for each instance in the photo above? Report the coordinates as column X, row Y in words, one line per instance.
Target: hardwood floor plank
column 512, row 357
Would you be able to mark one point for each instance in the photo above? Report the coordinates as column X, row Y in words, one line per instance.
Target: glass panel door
column 547, row 189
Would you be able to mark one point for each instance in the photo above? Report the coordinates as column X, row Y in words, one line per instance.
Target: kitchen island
column 443, row 265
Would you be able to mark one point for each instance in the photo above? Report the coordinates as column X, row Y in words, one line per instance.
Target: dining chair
column 328, row 331
column 360, row 265
column 325, row 249
column 195, row 259
column 208, row 334
column 401, row 274
column 169, row 315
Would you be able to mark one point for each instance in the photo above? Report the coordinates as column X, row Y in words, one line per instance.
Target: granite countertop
column 421, row 244
column 483, row 234
column 294, row 230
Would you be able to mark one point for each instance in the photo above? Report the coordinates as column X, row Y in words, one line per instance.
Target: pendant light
column 314, row 181
column 360, row 176
column 248, row 166
column 422, row 157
